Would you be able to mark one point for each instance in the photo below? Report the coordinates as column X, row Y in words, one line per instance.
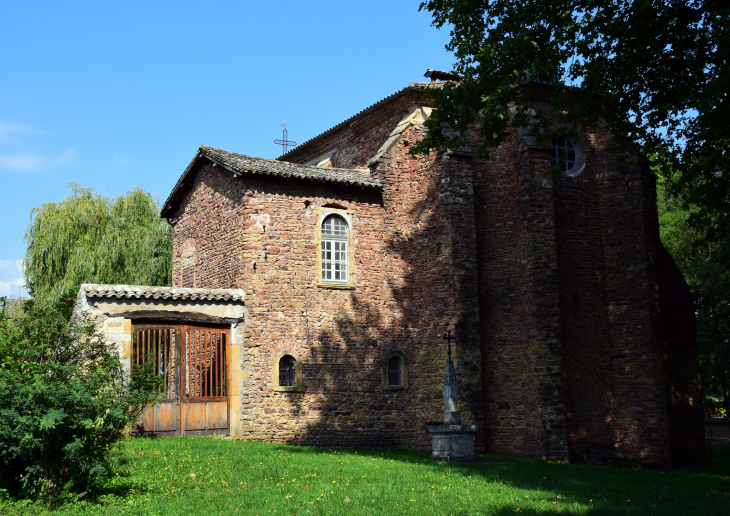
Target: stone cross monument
column 452, row 440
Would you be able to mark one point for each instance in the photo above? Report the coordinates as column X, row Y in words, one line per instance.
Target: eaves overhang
column 242, row 165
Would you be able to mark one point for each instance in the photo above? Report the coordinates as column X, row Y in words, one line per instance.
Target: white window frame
column 335, row 252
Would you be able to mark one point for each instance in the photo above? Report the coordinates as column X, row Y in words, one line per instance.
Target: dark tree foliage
column 655, row 72
column 705, row 265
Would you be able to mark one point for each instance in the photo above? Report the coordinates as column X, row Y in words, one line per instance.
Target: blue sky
column 112, row 96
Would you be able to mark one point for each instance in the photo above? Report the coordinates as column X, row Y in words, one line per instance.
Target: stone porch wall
column 115, row 318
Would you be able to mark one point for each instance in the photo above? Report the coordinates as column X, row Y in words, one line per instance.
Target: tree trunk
column 725, row 399
column 723, row 359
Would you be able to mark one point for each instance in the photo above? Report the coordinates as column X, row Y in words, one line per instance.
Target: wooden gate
column 193, row 364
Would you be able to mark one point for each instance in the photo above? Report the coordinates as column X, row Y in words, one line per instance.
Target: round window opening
column 565, row 156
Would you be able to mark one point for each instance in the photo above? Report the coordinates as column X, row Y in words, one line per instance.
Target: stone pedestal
column 453, row 442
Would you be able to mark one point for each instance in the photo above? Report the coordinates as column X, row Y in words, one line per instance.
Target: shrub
column 65, row 400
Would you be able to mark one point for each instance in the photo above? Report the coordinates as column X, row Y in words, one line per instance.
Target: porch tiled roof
column 93, row 290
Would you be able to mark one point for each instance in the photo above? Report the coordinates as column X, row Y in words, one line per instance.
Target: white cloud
column 21, row 161
column 9, row 129
column 24, row 162
column 11, row 278
column 68, row 155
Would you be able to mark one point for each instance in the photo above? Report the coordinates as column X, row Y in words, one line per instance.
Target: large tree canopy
column 706, row 267
column 654, row 71
column 88, row 238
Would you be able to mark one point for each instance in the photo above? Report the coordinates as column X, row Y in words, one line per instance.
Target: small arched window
column 564, row 154
column 287, row 371
column 395, row 372
column 334, row 250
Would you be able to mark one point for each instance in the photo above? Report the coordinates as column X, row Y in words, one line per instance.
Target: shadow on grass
column 519, row 486
column 596, row 489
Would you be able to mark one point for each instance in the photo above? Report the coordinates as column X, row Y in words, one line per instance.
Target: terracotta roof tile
column 247, row 164
column 93, row 290
column 240, row 164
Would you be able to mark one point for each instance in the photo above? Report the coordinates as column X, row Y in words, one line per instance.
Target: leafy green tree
column 65, row 400
column 705, row 265
column 655, row 72
column 88, row 238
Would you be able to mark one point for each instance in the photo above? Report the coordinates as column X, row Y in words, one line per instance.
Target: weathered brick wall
column 679, row 337
column 429, row 220
column 522, row 357
column 584, row 307
column 551, row 284
column 556, row 383
column 640, row 424
column 415, row 269
column 607, row 255
column 357, row 142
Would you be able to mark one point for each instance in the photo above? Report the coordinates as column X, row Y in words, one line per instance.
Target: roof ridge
column 240, row 164
column 414, row 86
column 279, row 162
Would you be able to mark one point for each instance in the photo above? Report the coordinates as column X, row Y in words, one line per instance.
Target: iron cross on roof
column 449, row 338
column 285, row 142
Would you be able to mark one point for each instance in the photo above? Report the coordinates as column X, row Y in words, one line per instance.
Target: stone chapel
column 312, row 293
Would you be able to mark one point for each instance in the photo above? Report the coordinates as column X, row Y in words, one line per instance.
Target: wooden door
column 204, row 378
column 193, row 364
column 159, row 345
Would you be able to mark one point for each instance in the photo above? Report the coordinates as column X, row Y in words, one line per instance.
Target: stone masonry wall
column 638, row 387
column 551, row 284
column 607, row 241
column 357, row 142
column 114, row 330
column 584, row 307
column 569, row 300
column 259, row 235
column 518, row 287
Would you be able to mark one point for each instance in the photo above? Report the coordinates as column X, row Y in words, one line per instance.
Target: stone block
column 126, row 349
column 452, row 442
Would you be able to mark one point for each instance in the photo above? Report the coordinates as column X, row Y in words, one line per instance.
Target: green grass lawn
column 193, row 476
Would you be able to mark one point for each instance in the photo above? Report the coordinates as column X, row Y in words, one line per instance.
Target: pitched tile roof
column 414, row 86
column 241, row 164
column 94, row 290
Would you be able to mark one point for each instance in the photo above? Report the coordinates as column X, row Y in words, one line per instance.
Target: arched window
column 287, row 371
column 334, row 250
column 395, row 372
column 564, row 154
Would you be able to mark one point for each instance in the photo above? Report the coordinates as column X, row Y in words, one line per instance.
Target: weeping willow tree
column 89, row 238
